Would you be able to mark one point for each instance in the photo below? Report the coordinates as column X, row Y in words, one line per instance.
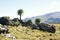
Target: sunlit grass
column 25, row 33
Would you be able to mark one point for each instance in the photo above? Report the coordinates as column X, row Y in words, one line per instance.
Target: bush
column 12, row 23
column 37, row 21
column 16, row 23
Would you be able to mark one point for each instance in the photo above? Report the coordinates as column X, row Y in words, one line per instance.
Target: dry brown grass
column 24, row 33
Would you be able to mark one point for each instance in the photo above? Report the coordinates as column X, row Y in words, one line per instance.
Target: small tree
column 37, row 21
column 20, row 11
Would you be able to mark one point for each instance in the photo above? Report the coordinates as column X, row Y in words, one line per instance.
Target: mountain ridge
column 53, row 17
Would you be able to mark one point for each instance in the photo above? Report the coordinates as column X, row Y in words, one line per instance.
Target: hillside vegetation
column 26, row 33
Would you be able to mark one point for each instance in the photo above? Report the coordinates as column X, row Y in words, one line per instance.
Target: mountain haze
column 53, row 17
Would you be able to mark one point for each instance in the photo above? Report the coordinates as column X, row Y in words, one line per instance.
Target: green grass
column 25, row 33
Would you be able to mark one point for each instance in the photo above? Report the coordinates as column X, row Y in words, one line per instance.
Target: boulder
column 46, row 27
column 3, row 30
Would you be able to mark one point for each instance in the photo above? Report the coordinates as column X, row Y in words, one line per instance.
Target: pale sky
column 31, row 8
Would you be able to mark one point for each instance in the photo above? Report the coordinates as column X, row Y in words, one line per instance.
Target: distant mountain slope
column 50, row 17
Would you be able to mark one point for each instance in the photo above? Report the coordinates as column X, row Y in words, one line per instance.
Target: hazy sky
column 31, row 8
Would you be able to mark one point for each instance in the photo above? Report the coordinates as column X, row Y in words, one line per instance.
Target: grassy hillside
column 25, row 33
